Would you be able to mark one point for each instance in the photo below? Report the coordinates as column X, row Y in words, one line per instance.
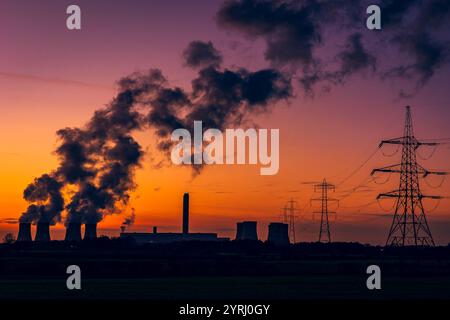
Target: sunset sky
column 52, row 78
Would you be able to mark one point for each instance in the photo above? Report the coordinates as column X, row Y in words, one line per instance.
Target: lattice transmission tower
column 289, row 216
column 409, row 224
column 324, row 199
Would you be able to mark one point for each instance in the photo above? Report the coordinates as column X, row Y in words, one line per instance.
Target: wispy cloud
column 58, row 81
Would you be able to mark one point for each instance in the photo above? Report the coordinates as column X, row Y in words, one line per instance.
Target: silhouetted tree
column 9, row 238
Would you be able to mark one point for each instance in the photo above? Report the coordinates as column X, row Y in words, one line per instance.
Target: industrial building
column 166, row 237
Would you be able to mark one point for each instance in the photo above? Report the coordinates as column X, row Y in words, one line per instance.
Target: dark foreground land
column 114, row 269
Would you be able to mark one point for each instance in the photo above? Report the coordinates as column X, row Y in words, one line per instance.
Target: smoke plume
column 47, row 202
column 128, row 221
column 295, row 32
column 97, row 162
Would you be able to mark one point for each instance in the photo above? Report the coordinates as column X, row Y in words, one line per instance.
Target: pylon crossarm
column 393, row 168
column 438, row 173
column 391, row 141
column 421, row 143
column 426, row 172
column 432, row 197
column 393, row 194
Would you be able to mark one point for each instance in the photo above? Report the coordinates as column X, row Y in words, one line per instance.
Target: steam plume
column 97, row 162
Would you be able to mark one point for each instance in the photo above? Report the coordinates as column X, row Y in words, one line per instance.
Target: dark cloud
column 427, row 57
column 219, row 97
column 201, row 54
column 9, row 221
column 226, row 97
column 352, row 59
column 394, row 12
column 291, row 31
column 434, row 14
column 295, row 30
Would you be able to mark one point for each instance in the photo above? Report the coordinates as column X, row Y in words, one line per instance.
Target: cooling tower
column 42, row 231
column 247, row 231
column 24, row 232
column 90, row 231
column 239, row 231
column 278, row 233
column 73, row 231
column 186, row 213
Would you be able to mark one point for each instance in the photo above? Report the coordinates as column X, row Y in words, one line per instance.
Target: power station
column 409, row 225
column 165, row 237
column 278, row 233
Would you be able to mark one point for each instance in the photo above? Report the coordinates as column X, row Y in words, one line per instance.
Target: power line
column 358, row 167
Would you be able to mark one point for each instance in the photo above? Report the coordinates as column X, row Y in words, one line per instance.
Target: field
column 307, row 287
column 221, row 271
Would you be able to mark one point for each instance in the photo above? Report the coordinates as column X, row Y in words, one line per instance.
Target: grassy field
column 298, row 287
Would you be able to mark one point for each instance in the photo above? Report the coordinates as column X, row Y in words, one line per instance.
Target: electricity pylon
column 324, row 187
column 289, row 215
column 409, row 224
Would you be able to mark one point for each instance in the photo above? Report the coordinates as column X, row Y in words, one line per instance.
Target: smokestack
column 73, row 231
column 24, row 232
column 90, row 231
column 186, row 213
column 247, row 231
column 42, row 231
column 278, row 233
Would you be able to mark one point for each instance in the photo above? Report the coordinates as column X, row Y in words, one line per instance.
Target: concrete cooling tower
column 73, row 231
column 278, row 233
column 90, row 231
column 42, row 231
column 246, row 231
column 24, row 232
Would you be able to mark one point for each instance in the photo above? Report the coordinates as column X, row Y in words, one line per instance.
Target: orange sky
column 317, row 140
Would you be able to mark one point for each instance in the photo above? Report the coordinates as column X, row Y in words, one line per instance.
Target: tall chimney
column 24, row 232
column 42, row 231
column 73, row 231
column 186, row 213
column 90, row 231
column 278, row 233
